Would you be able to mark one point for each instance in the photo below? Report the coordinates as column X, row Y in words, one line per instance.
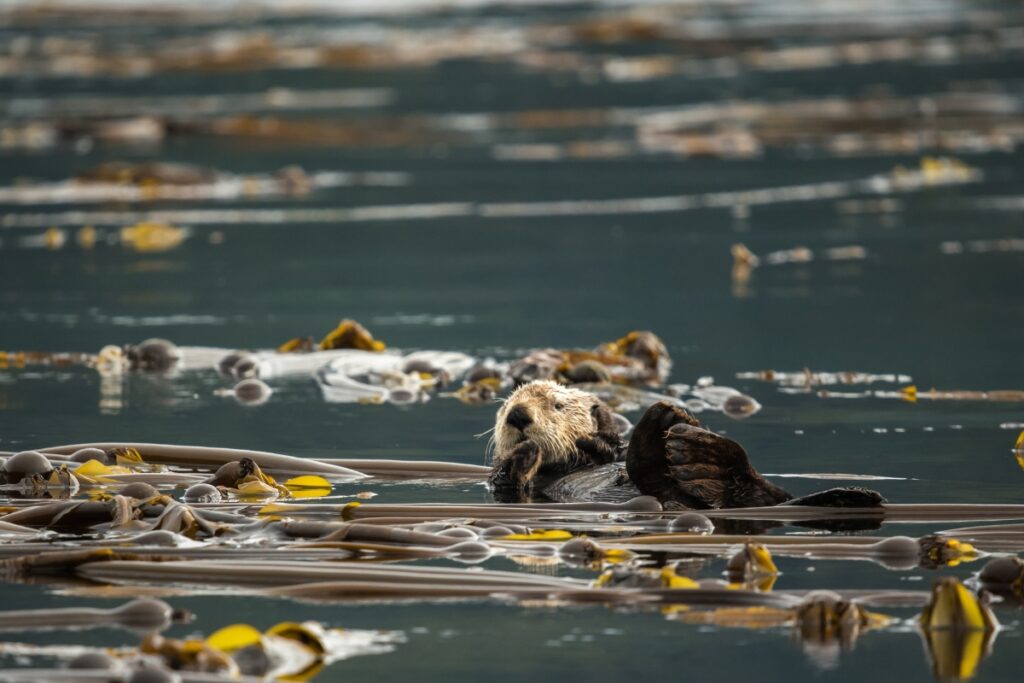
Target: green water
column 494, row 286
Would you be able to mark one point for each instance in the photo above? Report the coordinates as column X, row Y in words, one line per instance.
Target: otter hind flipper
column 671, row 457
column 841, row 497
column 716, row 470
column 646, row 460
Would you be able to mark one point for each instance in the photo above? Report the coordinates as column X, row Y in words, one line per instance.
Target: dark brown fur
column 674, row 459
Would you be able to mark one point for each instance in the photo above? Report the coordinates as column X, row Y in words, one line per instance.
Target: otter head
column 550, row 415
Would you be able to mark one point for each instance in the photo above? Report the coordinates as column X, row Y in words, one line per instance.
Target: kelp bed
column 124, row 519
column 119, row 539
column 123, row 534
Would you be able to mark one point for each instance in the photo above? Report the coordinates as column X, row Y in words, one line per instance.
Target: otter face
column 550, row 415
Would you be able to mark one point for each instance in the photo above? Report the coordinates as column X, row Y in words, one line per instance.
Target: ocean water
column 522, row 182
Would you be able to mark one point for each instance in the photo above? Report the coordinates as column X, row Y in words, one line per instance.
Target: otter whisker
column 491, row 446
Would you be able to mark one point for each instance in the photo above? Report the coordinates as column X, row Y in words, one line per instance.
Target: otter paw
column 517, row 469
column 600, row 449
column 604, row 419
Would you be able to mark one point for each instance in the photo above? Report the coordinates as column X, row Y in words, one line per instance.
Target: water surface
column 495, row 274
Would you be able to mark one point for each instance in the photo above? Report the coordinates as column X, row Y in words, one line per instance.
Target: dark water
column 496, row 285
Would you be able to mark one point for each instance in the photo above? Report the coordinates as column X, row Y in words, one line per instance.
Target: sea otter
column 556, row 442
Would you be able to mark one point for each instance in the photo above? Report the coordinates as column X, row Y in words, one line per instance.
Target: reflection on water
column 806, row 202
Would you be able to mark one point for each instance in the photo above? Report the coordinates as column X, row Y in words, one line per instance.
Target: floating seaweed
column 286, row 651
column 122, row 527
column 808, row 378
column 900, row 181
column 150, row 182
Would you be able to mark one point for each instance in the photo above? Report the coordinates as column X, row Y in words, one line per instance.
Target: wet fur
column 570, row 429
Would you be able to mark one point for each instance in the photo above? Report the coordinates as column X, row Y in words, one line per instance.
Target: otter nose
column 518, row 418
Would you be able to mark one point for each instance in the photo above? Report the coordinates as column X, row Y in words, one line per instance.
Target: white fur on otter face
column 559, row 416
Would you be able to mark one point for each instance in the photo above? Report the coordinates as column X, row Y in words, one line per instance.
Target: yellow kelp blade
column 264, row 478
column 94, row 468
column 971, row 654
column 308, row 486
column 128, row 457
column 1018, row 449
column 958, row 551
column 619, row 346
column 297, row 345
column 152, row 236
column 234, row 637
column 954, row 607
column 604, row 580
column 616, row 555
column 309, row 638
column 255, row 488
column 752, row 563
column 956, row 655
column 351, row 335
column 300, row 633
column 61, row 478
column 670, row 579
column 540, row 535
column 259, row 484
column 763, row 560
column 54, row 238
column 309, row 481
column 95, row 472
column 971, row 608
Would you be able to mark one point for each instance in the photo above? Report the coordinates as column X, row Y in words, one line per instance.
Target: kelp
column 207, row 457
column 237, row 652
column 123, row 530
column 144, row 614
column 359, row 552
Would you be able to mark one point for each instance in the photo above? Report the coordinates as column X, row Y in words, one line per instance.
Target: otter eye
column 559, row 406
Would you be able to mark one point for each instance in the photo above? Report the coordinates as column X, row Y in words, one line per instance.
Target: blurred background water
column 522, row 175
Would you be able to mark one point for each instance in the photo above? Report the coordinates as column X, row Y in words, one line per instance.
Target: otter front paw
column 601, row 449
column 605, row 445
column 516, row 470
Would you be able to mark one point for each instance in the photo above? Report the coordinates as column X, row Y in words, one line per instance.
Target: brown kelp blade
column 412, row 469
column 275, row 463
column 144, row 614
column 212, row 458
